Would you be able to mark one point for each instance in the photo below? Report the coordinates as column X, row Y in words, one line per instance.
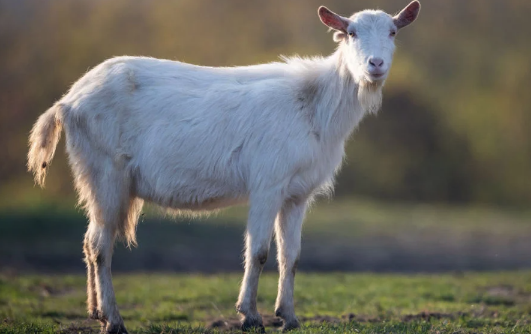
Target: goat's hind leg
column 92, row 298
column 112, row 212
column 101, row 239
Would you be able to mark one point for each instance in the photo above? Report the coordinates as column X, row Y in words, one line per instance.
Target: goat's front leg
column 288, row 238
column 260, row 226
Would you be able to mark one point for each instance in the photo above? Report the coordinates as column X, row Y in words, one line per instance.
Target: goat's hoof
column 116, row 329
column 253, row 325
column 290, row 325
column 95, row 315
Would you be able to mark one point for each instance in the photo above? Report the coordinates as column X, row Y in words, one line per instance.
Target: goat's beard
column 370, row 96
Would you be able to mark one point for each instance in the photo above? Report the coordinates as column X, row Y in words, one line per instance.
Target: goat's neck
column 340, row 100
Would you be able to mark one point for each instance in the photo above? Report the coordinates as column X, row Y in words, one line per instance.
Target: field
column 326, row 303
column 479, row 249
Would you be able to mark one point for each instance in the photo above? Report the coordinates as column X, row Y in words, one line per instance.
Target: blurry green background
column 439, row 180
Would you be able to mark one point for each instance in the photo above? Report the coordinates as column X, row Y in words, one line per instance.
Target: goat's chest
column 318, row 171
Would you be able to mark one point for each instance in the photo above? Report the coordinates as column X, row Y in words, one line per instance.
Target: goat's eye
column 393, row 33
column 352, row 34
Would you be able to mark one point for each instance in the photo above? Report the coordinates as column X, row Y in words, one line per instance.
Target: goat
column 193, row 138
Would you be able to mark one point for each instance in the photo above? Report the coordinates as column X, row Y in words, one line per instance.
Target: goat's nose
column 376, row 62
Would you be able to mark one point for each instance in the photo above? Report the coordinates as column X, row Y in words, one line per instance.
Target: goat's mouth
column 376, row 76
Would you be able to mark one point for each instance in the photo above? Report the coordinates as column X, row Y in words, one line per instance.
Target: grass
column 326, row 303
column 346, row 234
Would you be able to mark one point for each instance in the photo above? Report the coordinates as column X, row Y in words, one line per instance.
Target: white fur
column 194, row 138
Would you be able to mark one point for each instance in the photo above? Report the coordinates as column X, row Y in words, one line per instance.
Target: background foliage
column 455, row 120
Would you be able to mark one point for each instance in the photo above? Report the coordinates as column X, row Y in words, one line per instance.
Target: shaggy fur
column 192, row 138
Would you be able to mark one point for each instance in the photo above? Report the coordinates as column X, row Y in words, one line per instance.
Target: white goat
column 194, row 138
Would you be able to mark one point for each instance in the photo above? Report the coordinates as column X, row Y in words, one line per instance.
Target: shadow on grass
column 50, row 241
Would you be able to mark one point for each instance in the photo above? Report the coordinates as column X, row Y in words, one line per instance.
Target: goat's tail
column 42, row 142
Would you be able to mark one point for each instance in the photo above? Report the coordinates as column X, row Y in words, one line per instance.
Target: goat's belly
column 210, row 204
column 190, row 193
column 178, row 201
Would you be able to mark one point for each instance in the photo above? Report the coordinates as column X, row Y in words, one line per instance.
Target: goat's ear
column 332, row 20
column 407, row 15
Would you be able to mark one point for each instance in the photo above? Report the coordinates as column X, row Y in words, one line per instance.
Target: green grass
column 346, row 234
column 326, row 303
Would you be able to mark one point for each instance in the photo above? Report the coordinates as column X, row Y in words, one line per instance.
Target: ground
column 461, row 302
column 480, row 249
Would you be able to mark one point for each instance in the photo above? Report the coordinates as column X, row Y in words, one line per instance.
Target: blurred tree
column 456, row 116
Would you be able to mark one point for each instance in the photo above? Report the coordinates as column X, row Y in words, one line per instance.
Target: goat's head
column 368, row 39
